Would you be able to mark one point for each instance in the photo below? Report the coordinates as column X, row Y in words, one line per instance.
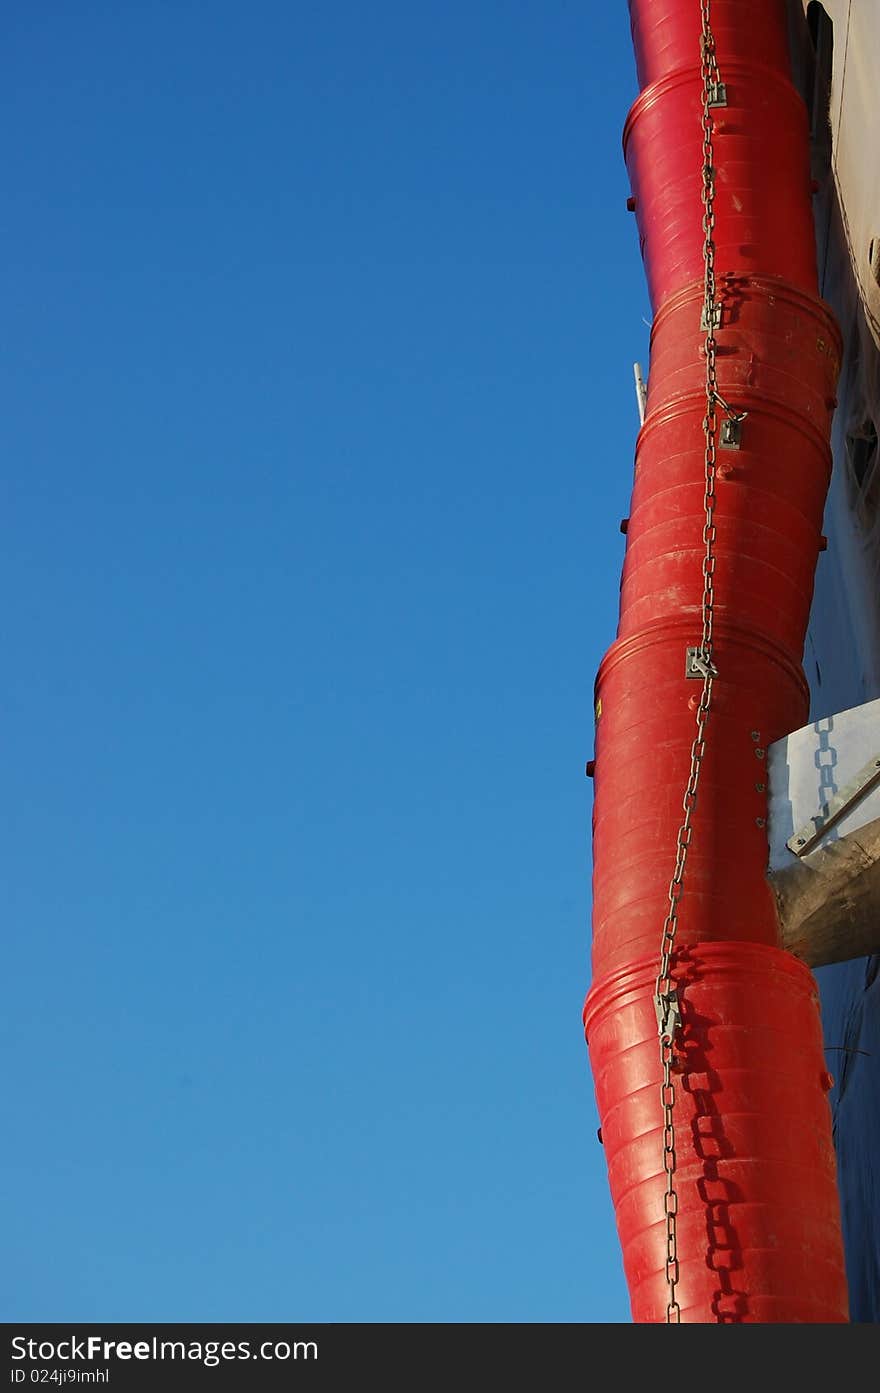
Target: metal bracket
column 717, row 94
column 712, row 313
column 698, row 665
column 806, row 837
column 668, row 1015
column 730, row 435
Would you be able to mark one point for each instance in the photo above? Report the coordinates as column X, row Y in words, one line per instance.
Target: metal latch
column 730, row 435
column 711, row 316
column 668, row 1015
column 831, row 812
column 698, row 665
column 717, row 94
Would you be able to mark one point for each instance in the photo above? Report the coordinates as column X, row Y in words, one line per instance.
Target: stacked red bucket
column 758, row 1226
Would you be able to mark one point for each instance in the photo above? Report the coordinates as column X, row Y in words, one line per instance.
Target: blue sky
column 318, row 424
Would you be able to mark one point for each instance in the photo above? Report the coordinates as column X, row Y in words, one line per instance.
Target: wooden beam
column 829, row 901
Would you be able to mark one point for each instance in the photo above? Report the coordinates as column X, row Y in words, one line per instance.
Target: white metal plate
column 809, row 767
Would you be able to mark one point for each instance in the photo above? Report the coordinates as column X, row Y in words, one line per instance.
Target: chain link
column 666, row 998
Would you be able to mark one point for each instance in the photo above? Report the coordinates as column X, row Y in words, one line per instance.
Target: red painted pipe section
column 758, row 1229
column 763, row 209
column 666, row 37
column 758, row 1222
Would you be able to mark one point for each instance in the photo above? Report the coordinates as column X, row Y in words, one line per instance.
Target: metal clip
column 668, row 1014
column 717, row 94
column 711, row 316
column 697, row 664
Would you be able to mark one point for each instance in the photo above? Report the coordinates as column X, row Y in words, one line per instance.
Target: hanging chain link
column 666, row 994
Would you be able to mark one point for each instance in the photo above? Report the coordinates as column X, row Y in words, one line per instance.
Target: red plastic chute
column 758, row 1225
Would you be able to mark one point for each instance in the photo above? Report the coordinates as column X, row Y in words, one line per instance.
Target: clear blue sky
column 317, row 426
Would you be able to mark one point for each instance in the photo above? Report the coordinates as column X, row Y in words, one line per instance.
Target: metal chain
column 666, row 995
